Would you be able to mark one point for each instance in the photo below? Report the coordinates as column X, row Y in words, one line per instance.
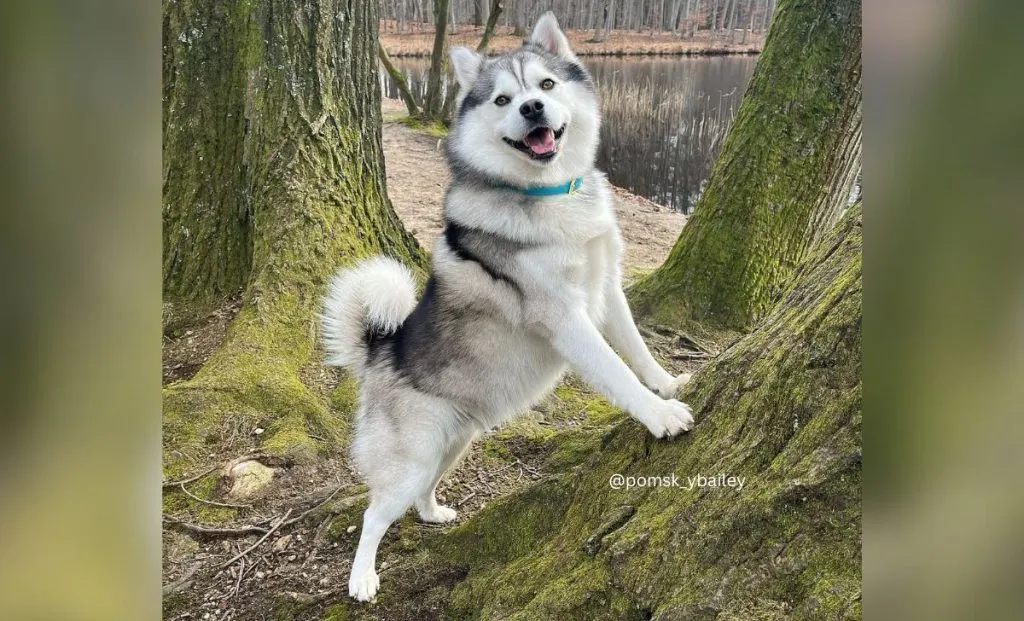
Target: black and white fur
column 521, row 289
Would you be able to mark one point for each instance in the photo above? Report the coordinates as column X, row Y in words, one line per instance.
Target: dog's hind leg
column 382, row 512
column 426, row 504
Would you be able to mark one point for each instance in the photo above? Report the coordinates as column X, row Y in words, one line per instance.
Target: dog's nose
column 532, row 109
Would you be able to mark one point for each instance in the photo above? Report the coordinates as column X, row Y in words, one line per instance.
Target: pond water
column 664, row 119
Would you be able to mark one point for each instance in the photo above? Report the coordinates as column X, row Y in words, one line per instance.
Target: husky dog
column 525, row 283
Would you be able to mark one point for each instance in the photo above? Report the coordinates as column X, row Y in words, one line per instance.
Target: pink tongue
column 541, row 142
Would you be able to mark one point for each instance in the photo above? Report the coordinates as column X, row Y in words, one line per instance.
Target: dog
column 525, row 282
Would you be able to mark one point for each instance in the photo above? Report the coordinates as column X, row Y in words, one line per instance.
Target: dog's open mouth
column 539, row 144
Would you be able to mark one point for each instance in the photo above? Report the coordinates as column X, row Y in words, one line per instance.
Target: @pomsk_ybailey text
column 620, row 481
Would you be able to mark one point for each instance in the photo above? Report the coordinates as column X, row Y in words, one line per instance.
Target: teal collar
column 554, row 190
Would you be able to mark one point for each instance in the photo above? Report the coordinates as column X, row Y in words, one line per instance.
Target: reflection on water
column 664, row 119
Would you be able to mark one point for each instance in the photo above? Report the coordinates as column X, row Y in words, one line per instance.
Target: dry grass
column 619, row 43
column 640, row 112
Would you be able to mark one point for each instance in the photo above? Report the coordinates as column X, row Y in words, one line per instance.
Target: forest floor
column 619, row 43
column 299, row 569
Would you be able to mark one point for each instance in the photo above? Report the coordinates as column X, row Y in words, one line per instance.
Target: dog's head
column 529, row 117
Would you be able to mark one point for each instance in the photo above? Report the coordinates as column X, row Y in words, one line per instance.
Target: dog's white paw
column 364, row 586
column 439, row 514
column 669, row 386
column 668, row 418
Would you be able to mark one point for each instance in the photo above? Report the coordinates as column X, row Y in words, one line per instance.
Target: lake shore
column 618, row 43
column 417, row 177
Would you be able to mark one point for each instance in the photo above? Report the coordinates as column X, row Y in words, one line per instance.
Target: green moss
column 345, row 398
column 337, row 612
column 496, row 450
column 349, row 513
column 176, row 502
column 573, row 448
column 435, row 129
column 574, row 400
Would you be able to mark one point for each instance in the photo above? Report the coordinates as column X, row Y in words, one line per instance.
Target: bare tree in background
column 433, row 103
column 680, row 17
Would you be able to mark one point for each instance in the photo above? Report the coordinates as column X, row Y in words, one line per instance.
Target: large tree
column 783, row 178
column 273, row 178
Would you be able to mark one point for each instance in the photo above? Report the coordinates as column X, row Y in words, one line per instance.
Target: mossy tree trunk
column 274, row 177
column 783, row 178
column 781, row 409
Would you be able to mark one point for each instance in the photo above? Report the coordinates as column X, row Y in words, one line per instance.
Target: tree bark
column 784, row 174
column 275, row 108
column 433, row 102
column 207, row 215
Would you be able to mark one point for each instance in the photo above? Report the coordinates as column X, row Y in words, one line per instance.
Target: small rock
column 282, row 544
column 325, row 581
column 350, row 529
column 291, row 557
column 258, row 430
column 249, row 478
column 260, row 575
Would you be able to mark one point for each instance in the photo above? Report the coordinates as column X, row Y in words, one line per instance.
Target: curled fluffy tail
column 371, row 298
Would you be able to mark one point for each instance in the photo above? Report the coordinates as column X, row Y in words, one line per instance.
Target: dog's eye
column 547, row 84
column 501, row 100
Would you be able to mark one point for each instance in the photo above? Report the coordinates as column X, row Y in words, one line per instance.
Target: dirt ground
column 618, row 43
column 417, row 177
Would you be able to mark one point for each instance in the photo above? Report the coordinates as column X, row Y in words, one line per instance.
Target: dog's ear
column 466, row 64
column 549, row 36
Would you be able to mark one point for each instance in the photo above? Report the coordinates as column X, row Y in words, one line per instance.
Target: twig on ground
column 238, row 583
column 190, row 479
column 212, row 530
column 528, row 468
column 181, row 583
column 259, row 542
column 315, row 507
column 487, row 484
column 212, row 502
column 465, row 499
column 255, row 564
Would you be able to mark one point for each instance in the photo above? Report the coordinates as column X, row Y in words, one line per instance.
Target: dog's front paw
column 363, row 587
column 668, row 418
column 439, row 514
column 669, row 386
